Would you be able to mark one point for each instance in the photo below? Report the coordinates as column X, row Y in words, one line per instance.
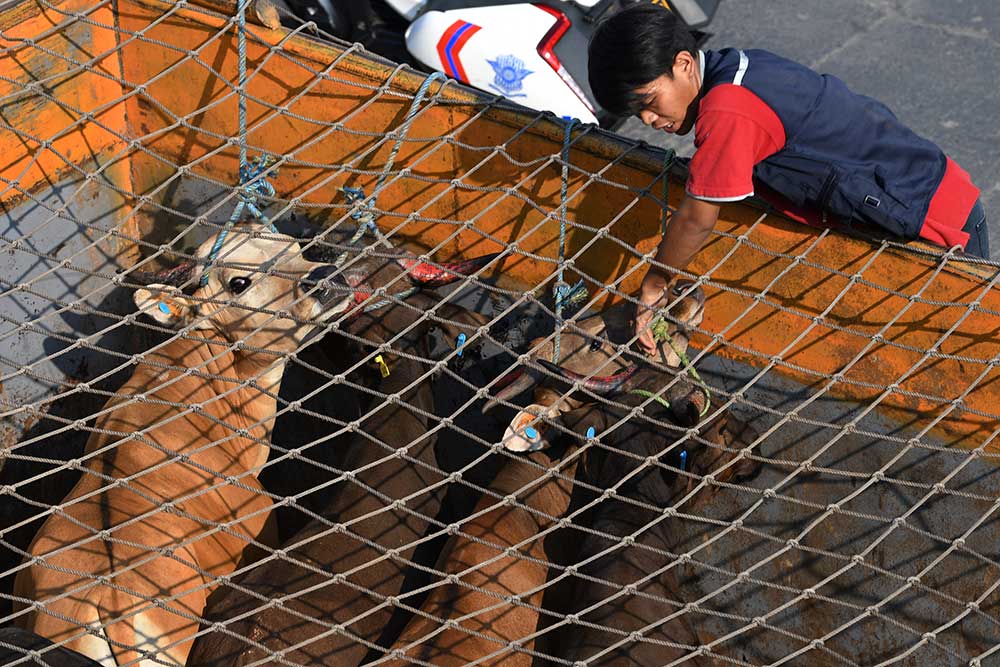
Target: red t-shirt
column 735, row 130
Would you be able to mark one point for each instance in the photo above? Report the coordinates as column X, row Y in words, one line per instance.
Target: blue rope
column 364, row 215
column 404, row 129
column 253, row 183
column 562, row 291
column 241, row 52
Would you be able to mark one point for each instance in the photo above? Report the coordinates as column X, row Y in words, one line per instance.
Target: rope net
column 312, row 359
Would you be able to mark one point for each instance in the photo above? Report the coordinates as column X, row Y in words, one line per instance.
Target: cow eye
column 595, row 344
column 239, row 284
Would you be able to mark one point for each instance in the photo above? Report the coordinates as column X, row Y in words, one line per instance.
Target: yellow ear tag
column 383, row 367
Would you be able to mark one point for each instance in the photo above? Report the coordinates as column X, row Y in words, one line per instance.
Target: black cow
column 625, row 598
column 20, row 647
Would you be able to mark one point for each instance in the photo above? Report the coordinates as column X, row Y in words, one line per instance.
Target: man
column 768, row 125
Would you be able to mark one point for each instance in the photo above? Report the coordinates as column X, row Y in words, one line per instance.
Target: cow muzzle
column 327, row 286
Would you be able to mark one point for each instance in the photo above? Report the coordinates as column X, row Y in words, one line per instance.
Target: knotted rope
column 562, row 292
column 253, row 182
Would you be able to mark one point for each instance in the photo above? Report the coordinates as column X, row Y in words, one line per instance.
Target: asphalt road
column 935, row 63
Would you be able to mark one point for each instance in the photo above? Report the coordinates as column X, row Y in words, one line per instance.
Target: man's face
column 669, row 104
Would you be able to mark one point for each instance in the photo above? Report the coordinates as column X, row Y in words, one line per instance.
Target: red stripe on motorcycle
column 451, row 43
column 459, row 43
column 442, row 46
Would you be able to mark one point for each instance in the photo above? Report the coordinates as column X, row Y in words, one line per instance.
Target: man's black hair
column 632, row 48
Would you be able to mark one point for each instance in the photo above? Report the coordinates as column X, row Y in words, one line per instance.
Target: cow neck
column 547, row 494
column 402, row 370
column 225, row 373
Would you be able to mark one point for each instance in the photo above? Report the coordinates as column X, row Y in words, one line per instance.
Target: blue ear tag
column 459, row 343
column 590, row 432
column 684, row 459
column 530, row 433
column 164, row 308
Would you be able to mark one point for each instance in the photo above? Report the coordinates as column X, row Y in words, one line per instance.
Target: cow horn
column 601, row 385
column 175, row 276
column 426, row 274
column 511, row 385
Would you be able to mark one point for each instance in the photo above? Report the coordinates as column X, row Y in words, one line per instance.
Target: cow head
column 585, row 347
column 663, row 449
column 253, row 289
column 377, row 271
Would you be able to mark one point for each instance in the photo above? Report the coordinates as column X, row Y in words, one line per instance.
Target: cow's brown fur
column 169, row 498
column 637, row 618
column 588, row 347
column 481, row 622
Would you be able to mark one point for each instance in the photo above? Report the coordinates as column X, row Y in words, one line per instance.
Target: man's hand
column 650, row 298
column 687, row 231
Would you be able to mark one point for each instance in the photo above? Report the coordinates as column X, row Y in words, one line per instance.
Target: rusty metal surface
column 885, row 558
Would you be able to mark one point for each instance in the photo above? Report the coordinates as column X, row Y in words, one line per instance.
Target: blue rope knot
column 566, row 296
column 252, row 178
column 249, row 191
column 365, row 220
column 253, row 184
column 362, row 214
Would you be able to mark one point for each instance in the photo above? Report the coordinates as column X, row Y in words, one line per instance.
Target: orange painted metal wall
column 61, row 111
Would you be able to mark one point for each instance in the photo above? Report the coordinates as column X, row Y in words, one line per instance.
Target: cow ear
column 164, row 304
column 528, row 430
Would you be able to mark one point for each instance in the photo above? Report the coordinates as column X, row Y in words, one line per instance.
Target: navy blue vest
column 845, row 154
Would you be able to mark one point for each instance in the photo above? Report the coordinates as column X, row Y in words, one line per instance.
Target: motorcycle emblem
column 510, row 73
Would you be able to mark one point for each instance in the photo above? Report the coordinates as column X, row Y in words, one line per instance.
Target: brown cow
column 627, row 596
column 169, row 498
column 471, row 616
column 495, row 571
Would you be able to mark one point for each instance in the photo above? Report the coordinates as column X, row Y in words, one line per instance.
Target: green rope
column 660, row 334
column 648, row 394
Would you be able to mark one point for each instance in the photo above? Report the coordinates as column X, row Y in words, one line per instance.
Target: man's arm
column 686, row 232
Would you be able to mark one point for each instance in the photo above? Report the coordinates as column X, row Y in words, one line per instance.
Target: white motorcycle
column 534, row 53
